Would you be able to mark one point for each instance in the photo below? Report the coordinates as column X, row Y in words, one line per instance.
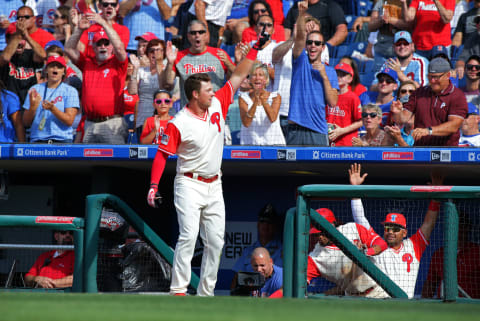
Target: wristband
column 252, row 54
column 434, row 206
column 153, row 185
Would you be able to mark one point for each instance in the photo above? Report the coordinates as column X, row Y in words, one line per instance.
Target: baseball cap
column 438, row 65
column 99, row 36
column 327, row 214
column 441, row 51
column 147, row 36
column 313, row 230
column 396, row 219
column 345, row 68
column 268, row 214
column 405, row 35
column 54, row 43
column 472, row 109
column 58, row 59
column 390, row 72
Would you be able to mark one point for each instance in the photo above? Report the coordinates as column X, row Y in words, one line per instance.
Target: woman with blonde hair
column 371, row 118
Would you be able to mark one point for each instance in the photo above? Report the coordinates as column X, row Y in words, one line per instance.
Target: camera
column 248, row 282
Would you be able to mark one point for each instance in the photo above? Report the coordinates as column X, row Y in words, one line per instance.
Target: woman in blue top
column 10, row 117
column 50, row 107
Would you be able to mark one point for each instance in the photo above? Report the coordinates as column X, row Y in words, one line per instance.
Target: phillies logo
column 409, row 259
column 20, row 73
column 58, row 99
column 105, row 72
column 192, row 69
column 12, row 15
column 215, row 119
column 393, row 218
column 50, row 13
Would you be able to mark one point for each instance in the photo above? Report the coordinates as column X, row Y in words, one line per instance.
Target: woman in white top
column 145, row 81
column 259, row 111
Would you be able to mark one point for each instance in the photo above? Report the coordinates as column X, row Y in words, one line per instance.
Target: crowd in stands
column 333, row 73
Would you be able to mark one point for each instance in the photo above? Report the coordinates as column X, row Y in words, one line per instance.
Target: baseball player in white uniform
column 196, row 136
column 400, row 262
column 328, row 261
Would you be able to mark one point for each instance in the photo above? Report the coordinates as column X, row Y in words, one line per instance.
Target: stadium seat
column 350, row 38
column 363, row 7
column 358, row 46
column 455, row 52
column 230, row 49
column 350, row 20
column 333, row 62
column 342, row 50
column 368, row 66
column 366, row 78
column 287, row 4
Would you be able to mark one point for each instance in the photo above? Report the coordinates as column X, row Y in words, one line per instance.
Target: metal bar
column 6, row 246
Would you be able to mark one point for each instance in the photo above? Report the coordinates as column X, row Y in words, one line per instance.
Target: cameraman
column 262, row 263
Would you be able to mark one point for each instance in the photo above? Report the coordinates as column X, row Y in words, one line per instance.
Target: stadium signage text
column 342, row 155
column 54, row 219
column 38, row 152
column 98, row 152
column 428, row 188
column 253, row 154
column 397, row 156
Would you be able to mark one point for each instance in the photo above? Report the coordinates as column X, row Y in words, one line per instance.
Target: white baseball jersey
column 401, row 265
column 198, row 141
column 338, row 268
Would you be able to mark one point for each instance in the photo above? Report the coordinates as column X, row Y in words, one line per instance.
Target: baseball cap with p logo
column 396, row 219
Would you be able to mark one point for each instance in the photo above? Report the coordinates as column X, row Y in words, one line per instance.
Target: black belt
column 102, row 119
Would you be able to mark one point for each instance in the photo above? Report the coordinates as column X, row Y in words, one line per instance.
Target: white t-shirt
column 216, row 11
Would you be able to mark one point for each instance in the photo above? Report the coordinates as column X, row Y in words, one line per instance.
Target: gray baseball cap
column 438, row 65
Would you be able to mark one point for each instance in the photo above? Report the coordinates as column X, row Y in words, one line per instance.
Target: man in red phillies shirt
column 53, row 269
column 103, row 82
column 109, row 14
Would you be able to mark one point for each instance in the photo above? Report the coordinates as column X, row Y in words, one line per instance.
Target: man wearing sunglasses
column 401, row 261
column 199, row 58
column 472, row 80
column 439, row 108
column 8, row 12
column 53, row 269
column 471, row 47
column 313, row 86
column 103, row 81
column 109, row 10
column 470, row 135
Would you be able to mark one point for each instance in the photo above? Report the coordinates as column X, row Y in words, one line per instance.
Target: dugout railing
column 86, row 236
column 298, row 220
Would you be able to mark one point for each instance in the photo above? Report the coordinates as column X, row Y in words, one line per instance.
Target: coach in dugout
column 439, row 108
column 262, row 263
column 53, row 269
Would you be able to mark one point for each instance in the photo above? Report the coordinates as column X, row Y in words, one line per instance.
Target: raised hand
column 134, row 60
column 355, row 172
column 170, row 53
column 35, row 98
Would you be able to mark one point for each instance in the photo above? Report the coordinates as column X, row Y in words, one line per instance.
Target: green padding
column 288, row 250
column 352, row 252
column 94, row 210
column 450, row 240
column 388, row 191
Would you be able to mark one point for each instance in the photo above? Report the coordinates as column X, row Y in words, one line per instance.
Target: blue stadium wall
column 252, row 177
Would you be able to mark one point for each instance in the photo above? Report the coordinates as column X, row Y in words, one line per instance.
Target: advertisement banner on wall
column 238, row 235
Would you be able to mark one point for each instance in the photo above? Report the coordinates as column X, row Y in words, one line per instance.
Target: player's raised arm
column 358, row 212
column 433, row 209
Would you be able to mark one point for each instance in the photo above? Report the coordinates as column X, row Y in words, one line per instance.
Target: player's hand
column 153, row 198
column 355, row 173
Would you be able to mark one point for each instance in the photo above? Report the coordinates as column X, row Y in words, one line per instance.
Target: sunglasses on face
column 401, row 43
column 404, row 91
column 56, row 16
column 473, row 67
column 105, row 43
column 372, row 115
column 154, row 50
column 386, row 80
column 24, row 17
column 265, row 24
column 259, row 11
column 394, row 229
column 195, row 32
column 163, row 101
column 109, row 4
column 66, row 232
column 316, row 42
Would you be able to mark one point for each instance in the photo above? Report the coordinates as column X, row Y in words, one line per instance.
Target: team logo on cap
column 393, row 218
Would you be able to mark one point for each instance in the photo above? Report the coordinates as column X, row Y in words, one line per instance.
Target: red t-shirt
column 42, row 37
column 87, row 36
column 102, row 86
column 277, row 11
column 468, row 271
column 429, row 29
column 359, row 89
column 249, row 34
column 54, row 268
column 129, row 101
column 150, row 125
column 347, row 111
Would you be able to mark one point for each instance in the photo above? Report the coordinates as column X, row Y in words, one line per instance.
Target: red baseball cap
column 11, row 29
column 147, row 36
column 396, row 219
column 99, row 36
column 58, row 59
column 345, row 68
column 327, row 214
column 313, row 230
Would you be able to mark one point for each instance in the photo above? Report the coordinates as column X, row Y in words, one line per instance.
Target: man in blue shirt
column 314, row 85
column 262, row 263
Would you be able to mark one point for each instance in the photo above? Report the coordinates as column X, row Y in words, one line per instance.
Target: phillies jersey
column 338, row 268
column 401, row 265
column 207, row 62
column 347, row 111
column 198, row 141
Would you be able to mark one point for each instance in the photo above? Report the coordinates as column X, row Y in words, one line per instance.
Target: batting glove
column 152, row 195
column 370, row 252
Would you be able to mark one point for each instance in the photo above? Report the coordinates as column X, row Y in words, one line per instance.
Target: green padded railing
column 94, row 205
column 297, row 227
column 60, row 223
